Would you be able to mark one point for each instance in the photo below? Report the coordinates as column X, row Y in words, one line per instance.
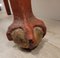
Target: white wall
column 49, row 9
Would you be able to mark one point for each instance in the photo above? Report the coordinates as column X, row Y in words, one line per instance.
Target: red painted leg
column 26, row 30
column 7, row 7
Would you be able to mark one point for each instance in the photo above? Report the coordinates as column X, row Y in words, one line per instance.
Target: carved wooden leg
column 7, row 7
column 26, row 30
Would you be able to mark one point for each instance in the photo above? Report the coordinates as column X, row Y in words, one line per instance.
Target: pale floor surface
column 48, row 48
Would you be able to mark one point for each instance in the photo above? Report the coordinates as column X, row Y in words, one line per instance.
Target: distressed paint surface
column 24, row 19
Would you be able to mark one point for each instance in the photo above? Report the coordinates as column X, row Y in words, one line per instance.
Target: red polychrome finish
column 26, row 30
